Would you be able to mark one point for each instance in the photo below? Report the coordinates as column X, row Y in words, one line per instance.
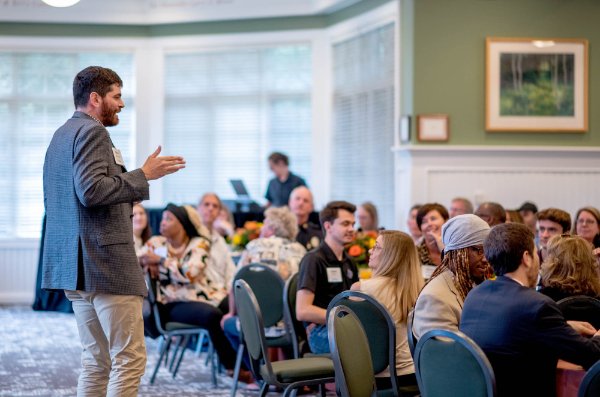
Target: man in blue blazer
column 522, row 332
column 88, row 247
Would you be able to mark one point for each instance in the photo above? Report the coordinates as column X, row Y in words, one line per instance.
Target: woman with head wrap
column 179, row 259
column 439, row 304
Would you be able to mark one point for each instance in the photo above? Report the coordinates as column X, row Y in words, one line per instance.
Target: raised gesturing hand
column 156, row 167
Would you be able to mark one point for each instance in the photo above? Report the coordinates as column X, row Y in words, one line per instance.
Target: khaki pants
column 111, row 330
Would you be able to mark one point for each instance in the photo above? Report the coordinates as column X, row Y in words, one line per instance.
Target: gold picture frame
column 433, row 127
column 536, row 84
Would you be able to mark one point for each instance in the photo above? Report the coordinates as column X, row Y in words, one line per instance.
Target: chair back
column 350, row 352
column 253, row 328
column 378, row 325
column 267, row 286
column 581, row 308
column 449, row 363
column 590, row 384
column 412, row 339
column 289, row 310
column 152, row 285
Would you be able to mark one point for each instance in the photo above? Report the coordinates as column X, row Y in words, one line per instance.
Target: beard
column 108, row 117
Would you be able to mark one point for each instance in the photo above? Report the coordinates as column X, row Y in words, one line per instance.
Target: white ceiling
column 163, row 11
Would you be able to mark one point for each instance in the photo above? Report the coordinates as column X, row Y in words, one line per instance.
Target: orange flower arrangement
column 359, row 248
column 244, row 235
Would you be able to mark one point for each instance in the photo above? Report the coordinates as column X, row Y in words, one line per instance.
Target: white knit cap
column 464, row 231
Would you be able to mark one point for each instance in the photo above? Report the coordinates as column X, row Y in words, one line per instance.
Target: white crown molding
column 423, row 149
column 147, row 12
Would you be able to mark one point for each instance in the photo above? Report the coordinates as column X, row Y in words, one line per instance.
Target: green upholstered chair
column 381, row 335
column 349, row 346
column 412, row 340
column 590, row 384
column 287, row 374
column 450, row 364
column 169, row 331
column 268, row 287
column 298, row 333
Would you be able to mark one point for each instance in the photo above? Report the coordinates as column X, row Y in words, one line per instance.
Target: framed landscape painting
column 536, row 84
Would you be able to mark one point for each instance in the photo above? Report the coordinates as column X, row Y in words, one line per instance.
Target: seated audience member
column 276, row 246
column 514, row 216
column 179, row 258
column 411, row 223
column 141, row 228
column 586, row 225
column 570, row 269
column 493, row 213
column 309, row 235
column 395, row 283
column 325, row 272
column 224, row 224
column 367, row 217
column 430, row 219
column 281, row 186
column 522, row 332
column 440, row 302
column 460, row 206
column 221, row 267
column 550, row 222
column 528, row 212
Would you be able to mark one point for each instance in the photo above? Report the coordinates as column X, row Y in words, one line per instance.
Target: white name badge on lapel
column 334, row 275
column 118, row 157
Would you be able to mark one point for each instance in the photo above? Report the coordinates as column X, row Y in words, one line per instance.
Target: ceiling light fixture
column 61, row 3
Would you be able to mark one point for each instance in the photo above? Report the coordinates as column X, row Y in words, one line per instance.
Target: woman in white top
column 395, row 283
column 141, row 228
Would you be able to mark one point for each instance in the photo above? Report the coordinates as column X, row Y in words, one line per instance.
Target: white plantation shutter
column 36, row 99
column 363, row 121
column 226, row 111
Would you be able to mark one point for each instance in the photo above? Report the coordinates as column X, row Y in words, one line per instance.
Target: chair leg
column 163, row 350
column 236, row 371
column 322, row 389
column 200, row 344
column 174, row 355
column 186, row 339
column 264, row 389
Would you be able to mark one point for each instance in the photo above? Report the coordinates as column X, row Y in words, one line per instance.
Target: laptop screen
column 239, row 187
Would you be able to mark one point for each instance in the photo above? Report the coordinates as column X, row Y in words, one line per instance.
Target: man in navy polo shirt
column 325, row 272
column 280, row 187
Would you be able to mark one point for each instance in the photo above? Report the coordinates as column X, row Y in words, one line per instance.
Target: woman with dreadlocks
column 440, row 302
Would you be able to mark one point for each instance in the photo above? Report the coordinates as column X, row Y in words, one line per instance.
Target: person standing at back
column 88, row 248
column 280, row 187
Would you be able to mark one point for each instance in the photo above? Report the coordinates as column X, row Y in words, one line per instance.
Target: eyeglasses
column 586, row 221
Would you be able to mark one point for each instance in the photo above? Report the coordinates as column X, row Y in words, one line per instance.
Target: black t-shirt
column 323, row 274
column 278, row 193
column 309, row 235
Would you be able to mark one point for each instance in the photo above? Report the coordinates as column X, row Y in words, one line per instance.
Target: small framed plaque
column 433, row 127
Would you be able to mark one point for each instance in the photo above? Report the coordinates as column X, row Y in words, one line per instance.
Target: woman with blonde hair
column 570, row 269
column 395, row 283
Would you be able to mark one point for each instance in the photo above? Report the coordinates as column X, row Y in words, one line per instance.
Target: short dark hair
column 426, row 208
column 330, row 212
column 505, row 245
column 93, row 79
column 557, row 216
column 278, row 157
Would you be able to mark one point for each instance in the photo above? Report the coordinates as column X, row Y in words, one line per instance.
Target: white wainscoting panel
column 18, row 270
column 566, row 178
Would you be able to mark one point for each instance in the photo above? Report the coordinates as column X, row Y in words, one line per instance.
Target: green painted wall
column 449, row 60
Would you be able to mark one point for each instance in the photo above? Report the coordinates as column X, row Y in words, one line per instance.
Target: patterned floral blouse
column 280, row 253
column 191, row 278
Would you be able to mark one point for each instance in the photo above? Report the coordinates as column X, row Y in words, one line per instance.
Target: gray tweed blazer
column 88, row 201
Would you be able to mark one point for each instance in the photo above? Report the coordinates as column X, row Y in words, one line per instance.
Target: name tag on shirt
column 118, row 157
column 161, row 251
column 334, row 275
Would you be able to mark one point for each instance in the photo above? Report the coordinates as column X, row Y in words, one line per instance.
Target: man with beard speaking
column 88, row 247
